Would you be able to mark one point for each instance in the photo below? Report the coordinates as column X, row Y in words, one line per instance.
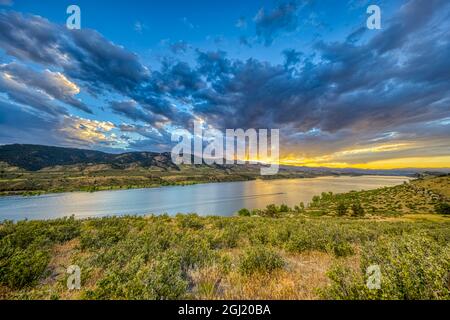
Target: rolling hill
column 37, row 157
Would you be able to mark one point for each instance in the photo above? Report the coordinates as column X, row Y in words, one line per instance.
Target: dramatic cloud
column 371, row 96
column 20, row 93
column 131, row 110
column 19, row 125
column 283, row 18
column 54, row 84
column 158, row 140
column 82, row 54
column 84, row 132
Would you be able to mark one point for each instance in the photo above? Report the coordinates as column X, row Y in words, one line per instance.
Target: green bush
column 190, row 221
column 160, row 280
column 357, row 210
column 24, row 268
column 260, row 260
column 340, row 248
column 442, row 208
column 341, row 209
column 103, row 233
column 271, row 211
column 25, row 248
column 244, row 213
column 413, row 267
column 300, row 208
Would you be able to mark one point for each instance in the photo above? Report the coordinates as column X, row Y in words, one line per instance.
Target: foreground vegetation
column 290, row 255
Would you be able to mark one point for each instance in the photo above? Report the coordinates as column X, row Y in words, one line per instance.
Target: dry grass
column 438, row 185
column 298, row 280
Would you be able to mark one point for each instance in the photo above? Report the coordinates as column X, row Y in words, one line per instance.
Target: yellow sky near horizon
column 398, row 155
column 398, row 163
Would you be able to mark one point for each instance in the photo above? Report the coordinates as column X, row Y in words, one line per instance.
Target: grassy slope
column 296, row 256
column 419, row 196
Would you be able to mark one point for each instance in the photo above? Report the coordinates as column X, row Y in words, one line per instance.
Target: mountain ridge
column 33, row 157
column 36, row 157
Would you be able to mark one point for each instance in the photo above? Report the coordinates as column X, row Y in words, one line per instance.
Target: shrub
column 193, row 252
column 165, row 280
column 442, row 208
column 413, row 267
column 190, row 221
column 260, row 260
column 244, row 213
column 103, row 233
column 357, row 210
column 159, row 281
column 341, row 209
column 271, row 211
column 230, row 237
column 300, row 208
column 24, row 268
column 25, row 248
column 340, row 248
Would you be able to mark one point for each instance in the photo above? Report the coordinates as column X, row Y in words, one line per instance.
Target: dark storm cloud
column 284, row 18
column 82, row 54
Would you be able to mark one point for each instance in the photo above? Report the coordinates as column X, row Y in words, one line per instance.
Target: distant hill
column 381, row 172
column 36, row 157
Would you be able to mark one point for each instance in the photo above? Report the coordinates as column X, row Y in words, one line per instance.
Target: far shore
column 94, row 189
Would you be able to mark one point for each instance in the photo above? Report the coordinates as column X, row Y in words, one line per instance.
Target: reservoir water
column 223, row 199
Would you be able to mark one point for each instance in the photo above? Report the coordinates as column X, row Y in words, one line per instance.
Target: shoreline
column 99, row 208
column 95, row 189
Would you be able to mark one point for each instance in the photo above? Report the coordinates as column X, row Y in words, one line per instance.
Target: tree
column 442, row 208
column 300, row 208
column 341, row 209
column 357, row 209
column 244, row 212
column 271, row 210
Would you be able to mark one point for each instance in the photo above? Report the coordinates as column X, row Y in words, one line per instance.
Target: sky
column 342, row 95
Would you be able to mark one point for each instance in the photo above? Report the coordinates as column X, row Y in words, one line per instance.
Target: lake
column 205, row 199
